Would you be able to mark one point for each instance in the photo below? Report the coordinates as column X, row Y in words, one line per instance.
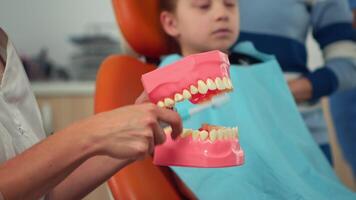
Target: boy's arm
column 332, row 28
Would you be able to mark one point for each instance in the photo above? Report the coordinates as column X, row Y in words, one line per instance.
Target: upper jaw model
column 197, row 78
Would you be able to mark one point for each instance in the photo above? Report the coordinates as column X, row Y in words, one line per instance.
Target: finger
column 151, row 147
column 159, row 135
column 142, row 98
column 172, row 118
column 149, row 142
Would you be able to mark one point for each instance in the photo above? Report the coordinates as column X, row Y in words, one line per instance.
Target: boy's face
column 204, row 25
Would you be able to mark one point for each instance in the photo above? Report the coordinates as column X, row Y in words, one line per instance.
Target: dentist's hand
column 130, row 132
column 142, row 98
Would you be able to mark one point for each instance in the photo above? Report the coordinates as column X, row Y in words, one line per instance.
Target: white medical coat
column 20, row 119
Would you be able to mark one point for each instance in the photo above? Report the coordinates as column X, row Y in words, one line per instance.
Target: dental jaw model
column 198, row 78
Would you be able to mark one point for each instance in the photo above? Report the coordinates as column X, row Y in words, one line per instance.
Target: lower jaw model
column 197, row 78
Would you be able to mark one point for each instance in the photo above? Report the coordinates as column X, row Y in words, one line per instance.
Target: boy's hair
column 167, row 5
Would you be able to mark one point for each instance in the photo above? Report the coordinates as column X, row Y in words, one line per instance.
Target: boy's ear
column 169, row 24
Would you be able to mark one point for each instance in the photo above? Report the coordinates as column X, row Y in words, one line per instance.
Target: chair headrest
column 140, row 25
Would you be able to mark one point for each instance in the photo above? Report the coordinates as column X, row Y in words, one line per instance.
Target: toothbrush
column 192, row 109
column 187, row 109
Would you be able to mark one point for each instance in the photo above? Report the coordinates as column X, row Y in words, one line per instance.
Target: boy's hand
column 301, row 89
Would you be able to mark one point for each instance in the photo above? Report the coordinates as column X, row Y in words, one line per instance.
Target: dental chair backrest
column 118, row 84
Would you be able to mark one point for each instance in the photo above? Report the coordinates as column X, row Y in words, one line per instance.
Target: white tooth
column 219, row 84
column 168, row 130
column 224, row 80
column 193, row 90
column 186, row 94
column 178, row 97
column 226, row 134
column 195, row 135
column 226, row 83
column 168, row 102
column 230, row 83
column 211, row 85
column 160, row 104
column 203, row 135
column 231, row 133
column 220, row 134
column 186, row 133
column 202, row 87
column 234, row 131
column 237, row 132
column 213, row 135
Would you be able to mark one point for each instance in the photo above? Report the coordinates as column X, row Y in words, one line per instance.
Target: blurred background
column 62, row 44
column 58, row 41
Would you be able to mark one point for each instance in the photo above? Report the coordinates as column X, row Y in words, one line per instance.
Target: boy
column 201, row 25
column 278, row 165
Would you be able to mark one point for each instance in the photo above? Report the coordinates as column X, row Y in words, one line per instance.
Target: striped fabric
column 280, row 27
column 352, row 4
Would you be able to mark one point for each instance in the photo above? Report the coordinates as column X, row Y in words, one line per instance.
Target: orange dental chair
column 118, row 84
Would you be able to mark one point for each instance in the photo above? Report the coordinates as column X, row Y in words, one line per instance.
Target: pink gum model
column 193, row 151
column 196, row 78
